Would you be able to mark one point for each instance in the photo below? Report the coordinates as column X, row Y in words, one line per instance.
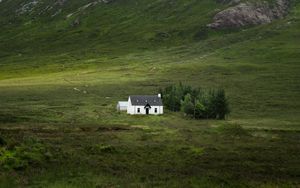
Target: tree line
column 196, row 102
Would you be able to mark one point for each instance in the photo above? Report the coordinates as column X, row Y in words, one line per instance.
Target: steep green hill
column 108, row 29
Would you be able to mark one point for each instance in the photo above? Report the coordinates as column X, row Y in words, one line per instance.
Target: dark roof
column 142, row 100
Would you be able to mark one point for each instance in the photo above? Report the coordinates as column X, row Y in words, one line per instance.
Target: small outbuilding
column 122, row 105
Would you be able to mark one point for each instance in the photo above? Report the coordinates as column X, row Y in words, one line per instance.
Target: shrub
column 30, row 152
column 100, row 149
column 233, row 131
column 9, row 160
column 2, row 141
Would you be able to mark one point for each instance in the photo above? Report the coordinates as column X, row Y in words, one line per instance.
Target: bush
column 195, row 102
column 2, row 141
column 100, row 149
column 9, row 160
column 30, row 152
column 233, row 131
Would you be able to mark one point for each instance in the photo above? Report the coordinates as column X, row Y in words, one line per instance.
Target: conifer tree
column 221, row 104
column 186, row 105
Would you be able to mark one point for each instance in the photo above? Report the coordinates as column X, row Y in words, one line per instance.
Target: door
column 147, row 108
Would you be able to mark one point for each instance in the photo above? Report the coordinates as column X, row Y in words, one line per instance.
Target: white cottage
column 143, row 105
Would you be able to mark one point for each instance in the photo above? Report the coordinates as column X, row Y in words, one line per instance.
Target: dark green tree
column 200, row 110
column 187, row 106
column 221, row 104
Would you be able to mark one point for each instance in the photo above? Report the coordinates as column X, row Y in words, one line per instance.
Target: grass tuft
column 233, row 130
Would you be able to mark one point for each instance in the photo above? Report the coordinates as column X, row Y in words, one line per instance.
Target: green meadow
column 59, row 86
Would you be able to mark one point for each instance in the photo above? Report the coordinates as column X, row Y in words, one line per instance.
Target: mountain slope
column 103, row 28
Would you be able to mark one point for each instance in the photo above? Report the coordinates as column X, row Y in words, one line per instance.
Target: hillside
column 64, row 64
column 100, row 29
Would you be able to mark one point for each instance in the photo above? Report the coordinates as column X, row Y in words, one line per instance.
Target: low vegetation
column 61, row 76
column 30, row 152
column 233, row 130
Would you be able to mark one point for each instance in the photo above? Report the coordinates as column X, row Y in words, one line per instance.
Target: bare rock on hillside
column 231, row 2
column 247, row 14
column 75, row 23
column 27, row 7
column 60, row 2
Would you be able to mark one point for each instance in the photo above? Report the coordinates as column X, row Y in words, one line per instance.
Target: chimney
column 159, row 95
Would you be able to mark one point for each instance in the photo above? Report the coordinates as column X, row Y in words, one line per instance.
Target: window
column 138, row 110
column 155, row 110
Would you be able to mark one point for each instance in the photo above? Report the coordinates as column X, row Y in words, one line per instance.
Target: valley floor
column 70, row 135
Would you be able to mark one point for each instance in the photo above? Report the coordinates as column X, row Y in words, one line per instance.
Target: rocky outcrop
column 60, row 2
column 27, row 7
column 231, row 2
column 248, row 14
column 75, row 23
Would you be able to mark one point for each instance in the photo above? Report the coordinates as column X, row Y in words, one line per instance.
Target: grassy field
column 59, row 87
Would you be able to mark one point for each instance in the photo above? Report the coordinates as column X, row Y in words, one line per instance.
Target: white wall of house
column 130, row 108
column 141, row 110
